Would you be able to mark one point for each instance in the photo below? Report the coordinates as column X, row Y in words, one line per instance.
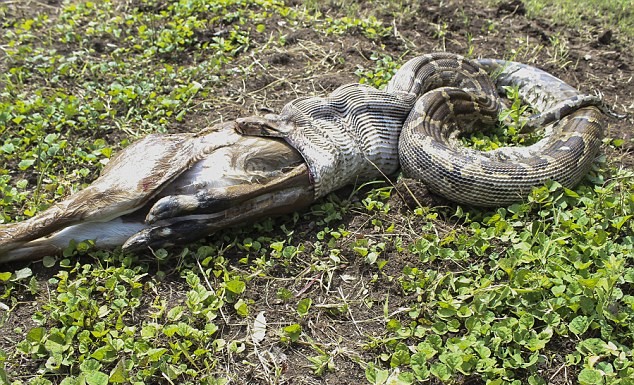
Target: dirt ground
column 592, row 59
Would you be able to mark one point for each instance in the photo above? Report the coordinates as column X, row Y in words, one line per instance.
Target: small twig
column 557, row 372
column 354, row 322
column 309, row 284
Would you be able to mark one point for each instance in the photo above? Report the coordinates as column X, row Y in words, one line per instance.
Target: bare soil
column 311, row 63
column 592, row 59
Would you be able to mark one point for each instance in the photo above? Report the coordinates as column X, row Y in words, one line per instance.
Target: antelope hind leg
column 218, row 199
column 106, row 235
column 231, row 178
column 250, row 167
column 259, row 177
column 293, row 193
column 129, row 180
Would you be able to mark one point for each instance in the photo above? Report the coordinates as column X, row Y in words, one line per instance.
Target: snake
column 177, row 188
column 359, row 133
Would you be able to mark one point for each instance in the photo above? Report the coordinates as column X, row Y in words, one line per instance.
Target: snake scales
column 168, row 189
column 358, row 133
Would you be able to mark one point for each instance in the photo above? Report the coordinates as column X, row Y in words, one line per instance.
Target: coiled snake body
column 359, row 133
column 168, row 189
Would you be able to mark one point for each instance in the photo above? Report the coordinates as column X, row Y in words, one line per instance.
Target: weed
column 385, row 68
column 441, row 34
column 574, row 13
column 510, row 130
column 560, row 51
column 353, row 285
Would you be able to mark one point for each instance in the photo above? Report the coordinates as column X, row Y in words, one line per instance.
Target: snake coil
column 358, row 133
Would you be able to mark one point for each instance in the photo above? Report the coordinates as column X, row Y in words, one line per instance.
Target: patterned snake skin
column 168, row 189
column 359, row 133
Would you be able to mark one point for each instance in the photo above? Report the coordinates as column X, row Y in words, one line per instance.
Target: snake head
column 269, row 126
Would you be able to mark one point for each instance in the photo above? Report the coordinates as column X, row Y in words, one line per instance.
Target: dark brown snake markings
column 355, row 134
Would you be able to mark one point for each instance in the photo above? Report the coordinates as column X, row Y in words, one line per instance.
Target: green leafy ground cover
column 381, row 283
